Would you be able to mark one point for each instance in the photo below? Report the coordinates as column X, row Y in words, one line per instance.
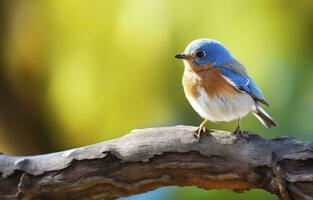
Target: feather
column 235, row 66
column 243, row 83
column 263, row 117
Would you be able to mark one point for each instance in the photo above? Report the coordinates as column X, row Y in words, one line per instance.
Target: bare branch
column 151, row 158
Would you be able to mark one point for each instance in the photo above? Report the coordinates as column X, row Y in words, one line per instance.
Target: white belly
column 221, row 108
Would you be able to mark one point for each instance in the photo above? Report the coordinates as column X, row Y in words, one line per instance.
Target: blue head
column 206, row 51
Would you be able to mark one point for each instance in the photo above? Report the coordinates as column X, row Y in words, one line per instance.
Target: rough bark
column 151, row 158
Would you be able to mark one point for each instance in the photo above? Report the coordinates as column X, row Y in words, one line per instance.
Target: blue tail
column 263, row 117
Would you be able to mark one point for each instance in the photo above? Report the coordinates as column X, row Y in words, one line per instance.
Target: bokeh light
column 74, row 72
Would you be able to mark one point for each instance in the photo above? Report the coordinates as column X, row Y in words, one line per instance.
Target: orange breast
column 210, row 79
column 192, row 83
column 215, row 84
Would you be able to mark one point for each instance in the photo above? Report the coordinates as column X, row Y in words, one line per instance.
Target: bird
column 218, row 86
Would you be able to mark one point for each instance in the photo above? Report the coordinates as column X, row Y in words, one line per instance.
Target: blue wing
column 243, row 83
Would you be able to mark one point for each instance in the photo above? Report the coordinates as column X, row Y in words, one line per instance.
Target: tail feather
column 263, row 117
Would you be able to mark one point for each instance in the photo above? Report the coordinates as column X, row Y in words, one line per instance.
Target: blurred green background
column 76, row 72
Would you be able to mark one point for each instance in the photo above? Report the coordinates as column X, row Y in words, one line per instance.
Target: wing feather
column 243, row 84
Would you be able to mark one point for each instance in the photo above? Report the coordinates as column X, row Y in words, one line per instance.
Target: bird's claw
column 198, row 132
column 240, row 134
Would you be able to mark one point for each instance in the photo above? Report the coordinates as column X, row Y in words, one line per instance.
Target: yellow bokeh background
column 76, row 72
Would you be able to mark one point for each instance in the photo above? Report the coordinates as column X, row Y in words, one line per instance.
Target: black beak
column 181, row 56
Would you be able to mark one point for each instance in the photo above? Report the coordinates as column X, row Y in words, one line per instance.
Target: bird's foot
column 240, row 134
column 199, row 131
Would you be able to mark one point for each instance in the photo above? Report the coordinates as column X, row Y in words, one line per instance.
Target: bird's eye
column 200, row 54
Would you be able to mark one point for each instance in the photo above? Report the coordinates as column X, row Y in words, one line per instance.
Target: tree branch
column 150, row 158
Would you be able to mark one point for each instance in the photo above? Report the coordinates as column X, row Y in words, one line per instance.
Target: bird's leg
column 238, row 130
column 201, row 129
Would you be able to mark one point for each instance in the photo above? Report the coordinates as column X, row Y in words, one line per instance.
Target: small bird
column 218, row 86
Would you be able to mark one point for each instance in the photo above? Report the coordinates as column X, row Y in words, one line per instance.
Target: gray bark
column 150, row 158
